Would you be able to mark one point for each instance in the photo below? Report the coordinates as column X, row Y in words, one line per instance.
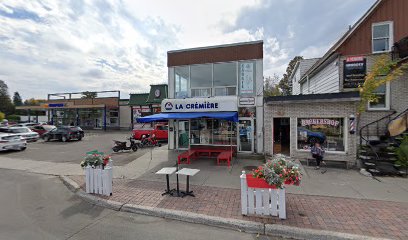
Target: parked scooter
column 119, row 145
column 149, row 141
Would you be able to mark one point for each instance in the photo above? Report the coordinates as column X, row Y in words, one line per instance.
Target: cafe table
column 187, row 172
column 167, row 171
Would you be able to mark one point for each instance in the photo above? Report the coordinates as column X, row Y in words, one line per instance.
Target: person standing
column 317, row 153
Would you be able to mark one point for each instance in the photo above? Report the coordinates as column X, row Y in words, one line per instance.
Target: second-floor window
column 201, row 80
column 181, row 77
column 225, row 79
column 382, row 37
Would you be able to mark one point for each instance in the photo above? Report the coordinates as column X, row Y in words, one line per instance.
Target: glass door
column 246, row 135
column 183, row 131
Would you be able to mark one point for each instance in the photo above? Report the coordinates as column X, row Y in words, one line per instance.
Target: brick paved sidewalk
column 356, row 216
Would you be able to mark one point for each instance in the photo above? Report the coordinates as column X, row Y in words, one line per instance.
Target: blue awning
column 229, row 116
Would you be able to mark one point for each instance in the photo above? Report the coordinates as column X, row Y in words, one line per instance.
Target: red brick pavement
column 356, row 216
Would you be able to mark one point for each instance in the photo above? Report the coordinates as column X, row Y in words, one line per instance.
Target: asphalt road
column 74, row 151
column 41, row 207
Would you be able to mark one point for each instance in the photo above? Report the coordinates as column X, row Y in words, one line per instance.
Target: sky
column 91, row 45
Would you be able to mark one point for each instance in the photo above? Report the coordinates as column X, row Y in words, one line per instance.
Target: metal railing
column 376, row 124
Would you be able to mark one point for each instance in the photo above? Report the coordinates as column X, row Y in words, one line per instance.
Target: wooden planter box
column 98, row 180
column 260, row 198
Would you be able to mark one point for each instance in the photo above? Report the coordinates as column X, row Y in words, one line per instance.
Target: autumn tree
column 271, row 86
column 285, row 85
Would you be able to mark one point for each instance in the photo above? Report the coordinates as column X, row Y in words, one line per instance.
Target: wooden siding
column 215, row 54
column 389, row 10
column 295, row 82
column 326, row 80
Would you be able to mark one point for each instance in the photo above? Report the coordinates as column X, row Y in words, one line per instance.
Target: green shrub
column 13, row 118
column 2, row 116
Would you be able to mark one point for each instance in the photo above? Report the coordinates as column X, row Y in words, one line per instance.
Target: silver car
column 26, row 133
column 12, row 142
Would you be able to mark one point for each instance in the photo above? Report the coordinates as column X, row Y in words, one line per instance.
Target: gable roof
column 336, row 46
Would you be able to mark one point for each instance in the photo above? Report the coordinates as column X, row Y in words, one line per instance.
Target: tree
column 285, row 85
column 17, row 101
column 2, row 116
column 34, row 102
column 6, row 106
column 88, row 94
column 384, row 70
column 271, row 86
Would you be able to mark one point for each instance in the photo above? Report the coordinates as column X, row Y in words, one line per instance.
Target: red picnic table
column 222, row 154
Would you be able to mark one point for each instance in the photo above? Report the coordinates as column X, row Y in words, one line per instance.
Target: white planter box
column 98, row 180
column 262, row 201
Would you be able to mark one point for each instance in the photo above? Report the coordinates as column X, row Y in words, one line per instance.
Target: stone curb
column 307, row 233
column 71, row 184
column 239, row 225
column 234, row 224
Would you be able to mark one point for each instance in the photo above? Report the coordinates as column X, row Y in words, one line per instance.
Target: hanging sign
column 354, row 71
column 247, row 101
column 246, row 78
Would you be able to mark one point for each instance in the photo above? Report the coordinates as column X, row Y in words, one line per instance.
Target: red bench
column 224, row 156
column 186, row 155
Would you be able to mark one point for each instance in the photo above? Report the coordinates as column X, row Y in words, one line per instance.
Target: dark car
column 64, row 133
column 313, row 137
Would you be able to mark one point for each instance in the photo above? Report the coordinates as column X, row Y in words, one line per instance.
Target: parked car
column 313, row 137
column 159, row 130
column 24, row 132
column 41, row 129
column 64, row 133
column 12, row 142
column 29, row 124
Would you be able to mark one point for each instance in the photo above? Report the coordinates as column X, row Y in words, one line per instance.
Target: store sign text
column 307, row 122
column 200, row 105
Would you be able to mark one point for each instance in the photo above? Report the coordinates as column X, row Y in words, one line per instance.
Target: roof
column 137, row 99
column 216, row 46
column 338, row 97
column 306, row 64
column 335, row 47
column 161, row 90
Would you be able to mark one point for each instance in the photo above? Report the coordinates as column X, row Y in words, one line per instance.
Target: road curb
column 239, row 225
column 234, row 224
column 71, row 184
column 307, row 233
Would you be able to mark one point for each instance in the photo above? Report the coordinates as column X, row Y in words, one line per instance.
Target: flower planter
column 254, row 182
column 98, row 180
column 260, row 198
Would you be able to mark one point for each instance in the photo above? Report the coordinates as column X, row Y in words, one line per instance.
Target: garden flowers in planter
column 96, row 159
column 275, row 173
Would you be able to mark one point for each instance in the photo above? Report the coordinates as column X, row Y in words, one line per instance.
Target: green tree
column 2, row 116
column 6, row 106
column 17, row 101
column 34, row 102
column 285, row 85
column 88, row 94
column 271, row 86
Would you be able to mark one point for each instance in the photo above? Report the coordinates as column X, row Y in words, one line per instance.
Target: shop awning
column 229, row 116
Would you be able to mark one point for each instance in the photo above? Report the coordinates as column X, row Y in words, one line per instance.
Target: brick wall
column 311, row 110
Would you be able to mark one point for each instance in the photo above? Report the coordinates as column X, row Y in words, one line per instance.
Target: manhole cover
column 249, row 168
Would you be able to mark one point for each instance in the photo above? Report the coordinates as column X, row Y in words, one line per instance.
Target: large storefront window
column 225, row 79
column 181, row 78
column 201, row 80
column 213, row 131
column 327, row 131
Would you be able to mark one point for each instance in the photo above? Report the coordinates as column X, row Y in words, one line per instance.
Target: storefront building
column 325, row 105
column 89, row 110
column 215, row 97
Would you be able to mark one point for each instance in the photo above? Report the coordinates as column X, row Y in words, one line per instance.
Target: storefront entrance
column 246, row 134
column 182, row 129
column 281, row 135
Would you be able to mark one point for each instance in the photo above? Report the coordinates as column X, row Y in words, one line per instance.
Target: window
column 181, row 76
column 382, row 103
column 382, row 37
column 327, row 131
column 201, row 80
column 213, row 131
column 225, row 91
column 113, row 114
column 225, row 79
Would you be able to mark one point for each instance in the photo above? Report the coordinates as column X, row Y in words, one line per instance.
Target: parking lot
column 74, row 151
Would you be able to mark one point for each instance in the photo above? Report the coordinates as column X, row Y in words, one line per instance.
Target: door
column 183, row 131
column 246, row 135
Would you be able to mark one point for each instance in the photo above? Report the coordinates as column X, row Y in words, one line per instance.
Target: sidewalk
column 355, row 216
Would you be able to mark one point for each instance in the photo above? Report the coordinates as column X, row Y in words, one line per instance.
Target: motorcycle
column 119, row 145
column 149, row 141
